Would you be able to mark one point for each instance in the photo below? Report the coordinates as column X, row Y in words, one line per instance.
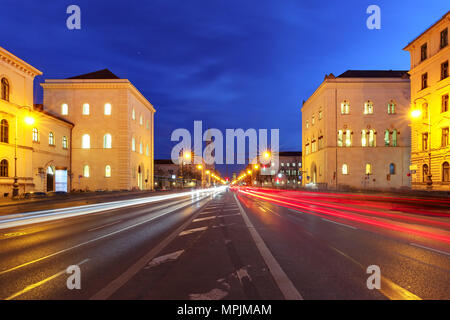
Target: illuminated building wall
column 355, row 131
column 430, row 89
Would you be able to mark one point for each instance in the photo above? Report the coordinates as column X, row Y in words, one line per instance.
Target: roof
column 100, row 74
column 375, row 74
column 290, row 153
column 19, row 63
column 164, row 161
column 40, row 108
column 431, row 27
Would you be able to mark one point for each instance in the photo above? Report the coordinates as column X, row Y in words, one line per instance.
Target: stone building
column 355, row 131
column 430, row 89
column 112, row 147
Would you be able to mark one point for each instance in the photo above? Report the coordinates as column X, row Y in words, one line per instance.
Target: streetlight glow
column 29, row 120
column 416, row 113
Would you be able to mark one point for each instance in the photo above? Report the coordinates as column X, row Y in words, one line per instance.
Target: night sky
column 233, row 64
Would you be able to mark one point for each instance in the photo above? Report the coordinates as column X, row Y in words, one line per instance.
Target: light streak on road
column 20, row 219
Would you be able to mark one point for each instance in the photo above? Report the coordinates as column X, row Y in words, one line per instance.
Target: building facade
column 112, row 140
column 355, row 131
column 29, row 134
column 430, row 89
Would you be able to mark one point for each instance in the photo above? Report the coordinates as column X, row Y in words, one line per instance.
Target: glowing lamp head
column 266, row 155
column 256, row 167
column 415, row 114
column 208, row 172
column 199, row 167
column 249, row 172
column 29, row 120
column 187, row 155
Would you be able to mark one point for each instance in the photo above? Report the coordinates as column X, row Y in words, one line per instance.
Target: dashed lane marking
column 105, row 225
column 428, row 248
column 165, row 258
column 190, row 231
column 341, row 224
column 204, row 219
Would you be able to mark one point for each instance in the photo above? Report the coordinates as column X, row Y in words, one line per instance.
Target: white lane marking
column 262, row 209
column 282, row 280
column 230, row 215
column 214, row 294
column 165, row 258
column 204, row 219
column 163, row 212
column 105, row 225
column 431, row 249
column 190, row 231
column 117, row 283
column 341, row 224
column 37, row 284
column 297, row 211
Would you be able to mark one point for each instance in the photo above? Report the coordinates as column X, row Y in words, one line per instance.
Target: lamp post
column 15, row 191
column 417, row 113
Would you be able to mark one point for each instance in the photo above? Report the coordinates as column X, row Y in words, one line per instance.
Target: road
column 247, row 243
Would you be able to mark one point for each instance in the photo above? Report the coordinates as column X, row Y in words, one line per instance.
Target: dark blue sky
column 233, row 64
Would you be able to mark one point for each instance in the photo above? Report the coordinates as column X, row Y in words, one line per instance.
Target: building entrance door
column 50, row 178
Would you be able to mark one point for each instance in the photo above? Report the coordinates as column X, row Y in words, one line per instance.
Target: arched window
column 64, row 109
column 86, row 172
column 4, row 131
column 424, row 172
column 108, row 171
column 107, row 109
column 51, row 139
column 141, row 120
column 133, row 144
column 368, row 107
column 107, row 141
column 64, row 142
column 345, row 169
column 147, row 151
column 348, row 138
column 445, row 172
column 4, row 168
column 391, row 107
column 345, row 107
column 364, row 138
column 5, row 89
column 141, row 148
column 86, row 109
column 35, row 135
column 394, row 137
column 133, row 114
column 392, row 168
column 372, row 138
column 86, row 141
column 386, row 138
column 340, row 139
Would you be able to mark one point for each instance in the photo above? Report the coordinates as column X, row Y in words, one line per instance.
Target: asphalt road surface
column 246, row 243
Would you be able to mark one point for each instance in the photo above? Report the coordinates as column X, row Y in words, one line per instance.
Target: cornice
column 18, row 63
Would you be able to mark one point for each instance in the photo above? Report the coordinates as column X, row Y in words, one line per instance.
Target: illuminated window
column 386, row 138
column 86, row 141
column 141, row 148
column 147, row 151
column 133, row 144
column 320, row 114
column 64, row 142
column 345, row 107
column 4, row 168
column 107, row 141
column 364, row 138
column 368, row 168
column 348, row 138
column 313, row 120
column 446, row 172
column 4, row 131
column 107, row 109
column 35, row 135
column 5, row 89
column 86, row 171
column 108, row 171
column 394, row 138
column 307, row 124
column 345, row 169
column 141, row 120
column 368, row 107
column 372, row 138
column 340, row 138
column 133, row 114
column 64, row 109
column 86, row 109
column 391, row 107
column 424, row 172
column 444, row 105
column 51, row 139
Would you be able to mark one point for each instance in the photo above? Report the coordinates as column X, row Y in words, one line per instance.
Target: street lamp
column 416, row 114
column 29, row 121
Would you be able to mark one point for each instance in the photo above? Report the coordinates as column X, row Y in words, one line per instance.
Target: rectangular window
column 444, row 38
column 424, row 81
column 423, row 52
column 340, row 139
column 444, row 107
column 444, row 70
column 368, row 168
column 444, row 141
column 348, row 138
column 320, row 144
column 86, row 109
column 425, row 141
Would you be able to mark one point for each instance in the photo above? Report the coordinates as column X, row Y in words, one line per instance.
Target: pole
column 16, row 183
